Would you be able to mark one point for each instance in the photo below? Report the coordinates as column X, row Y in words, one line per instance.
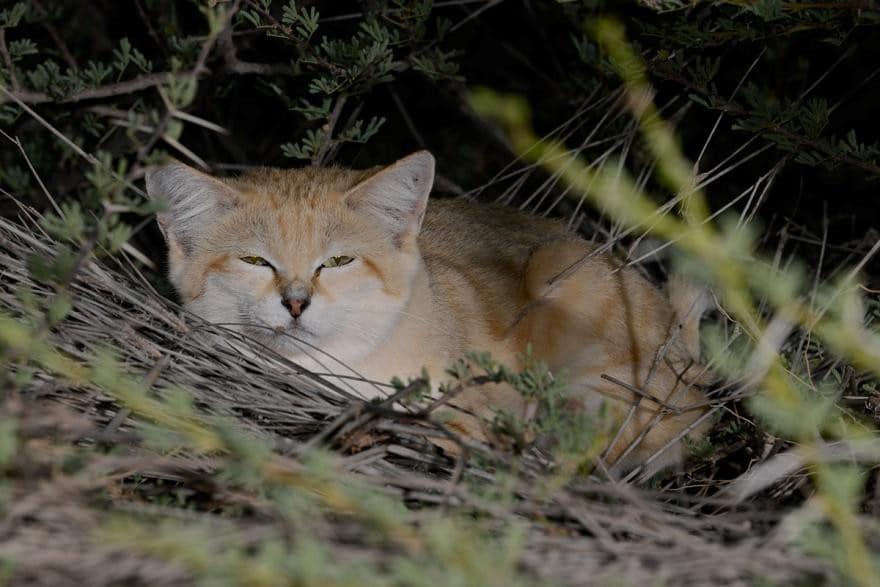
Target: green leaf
column 59, row 308
column 8, row 442
column 844, row 483
column 71, row 225
column 304, row 21
column 10, row 17
column 769, row 10
column 21, row 47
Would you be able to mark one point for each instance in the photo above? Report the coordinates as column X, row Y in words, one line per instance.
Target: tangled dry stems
column 590, row 531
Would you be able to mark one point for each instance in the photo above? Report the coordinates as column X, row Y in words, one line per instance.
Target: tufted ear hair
column 192, row 202
column 397, row 195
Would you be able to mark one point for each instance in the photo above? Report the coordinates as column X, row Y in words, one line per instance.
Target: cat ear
column 398, row 194
column 192, row 201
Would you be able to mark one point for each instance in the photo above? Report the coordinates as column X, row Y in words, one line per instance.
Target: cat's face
column 299, row 260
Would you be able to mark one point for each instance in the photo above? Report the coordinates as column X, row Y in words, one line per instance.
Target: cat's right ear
column 191, row 201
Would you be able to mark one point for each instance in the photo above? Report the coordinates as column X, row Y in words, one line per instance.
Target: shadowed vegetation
column 734, row 141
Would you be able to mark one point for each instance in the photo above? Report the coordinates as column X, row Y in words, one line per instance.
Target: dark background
column 517, row 46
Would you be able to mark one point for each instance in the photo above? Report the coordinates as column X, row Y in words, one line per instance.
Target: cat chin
column 293, row 343
column 327, row 354
column 284, row 339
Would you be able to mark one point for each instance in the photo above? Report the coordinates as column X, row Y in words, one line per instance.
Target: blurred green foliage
column 92, row 93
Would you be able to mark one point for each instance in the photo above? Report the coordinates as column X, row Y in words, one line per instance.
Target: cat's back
column 478, row 258
column 479, row 233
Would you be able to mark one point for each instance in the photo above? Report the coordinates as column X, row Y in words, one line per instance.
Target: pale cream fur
column 427, row 284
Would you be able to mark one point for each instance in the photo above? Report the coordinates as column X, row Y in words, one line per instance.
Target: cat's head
column 297, row 258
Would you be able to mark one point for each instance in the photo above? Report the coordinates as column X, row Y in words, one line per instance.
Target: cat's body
column 472, row 289
column 352, row 263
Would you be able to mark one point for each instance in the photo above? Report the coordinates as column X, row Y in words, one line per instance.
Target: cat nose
column 296, row 306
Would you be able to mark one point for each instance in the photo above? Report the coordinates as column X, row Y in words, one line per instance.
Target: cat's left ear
column 397, row 195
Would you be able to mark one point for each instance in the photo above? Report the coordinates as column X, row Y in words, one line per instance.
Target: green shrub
column 740, row 135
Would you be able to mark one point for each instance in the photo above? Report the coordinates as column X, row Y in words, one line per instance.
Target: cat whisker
column 421, row 319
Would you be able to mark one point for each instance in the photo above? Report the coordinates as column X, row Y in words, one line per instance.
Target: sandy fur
column 427, row 285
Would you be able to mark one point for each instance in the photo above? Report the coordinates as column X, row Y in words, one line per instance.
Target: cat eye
column 338, row 261
column 254, row 260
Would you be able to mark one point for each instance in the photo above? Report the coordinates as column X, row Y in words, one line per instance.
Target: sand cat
column 360, row 265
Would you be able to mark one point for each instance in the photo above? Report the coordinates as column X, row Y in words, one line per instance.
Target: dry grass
column 590, row 531
column 92, row 496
